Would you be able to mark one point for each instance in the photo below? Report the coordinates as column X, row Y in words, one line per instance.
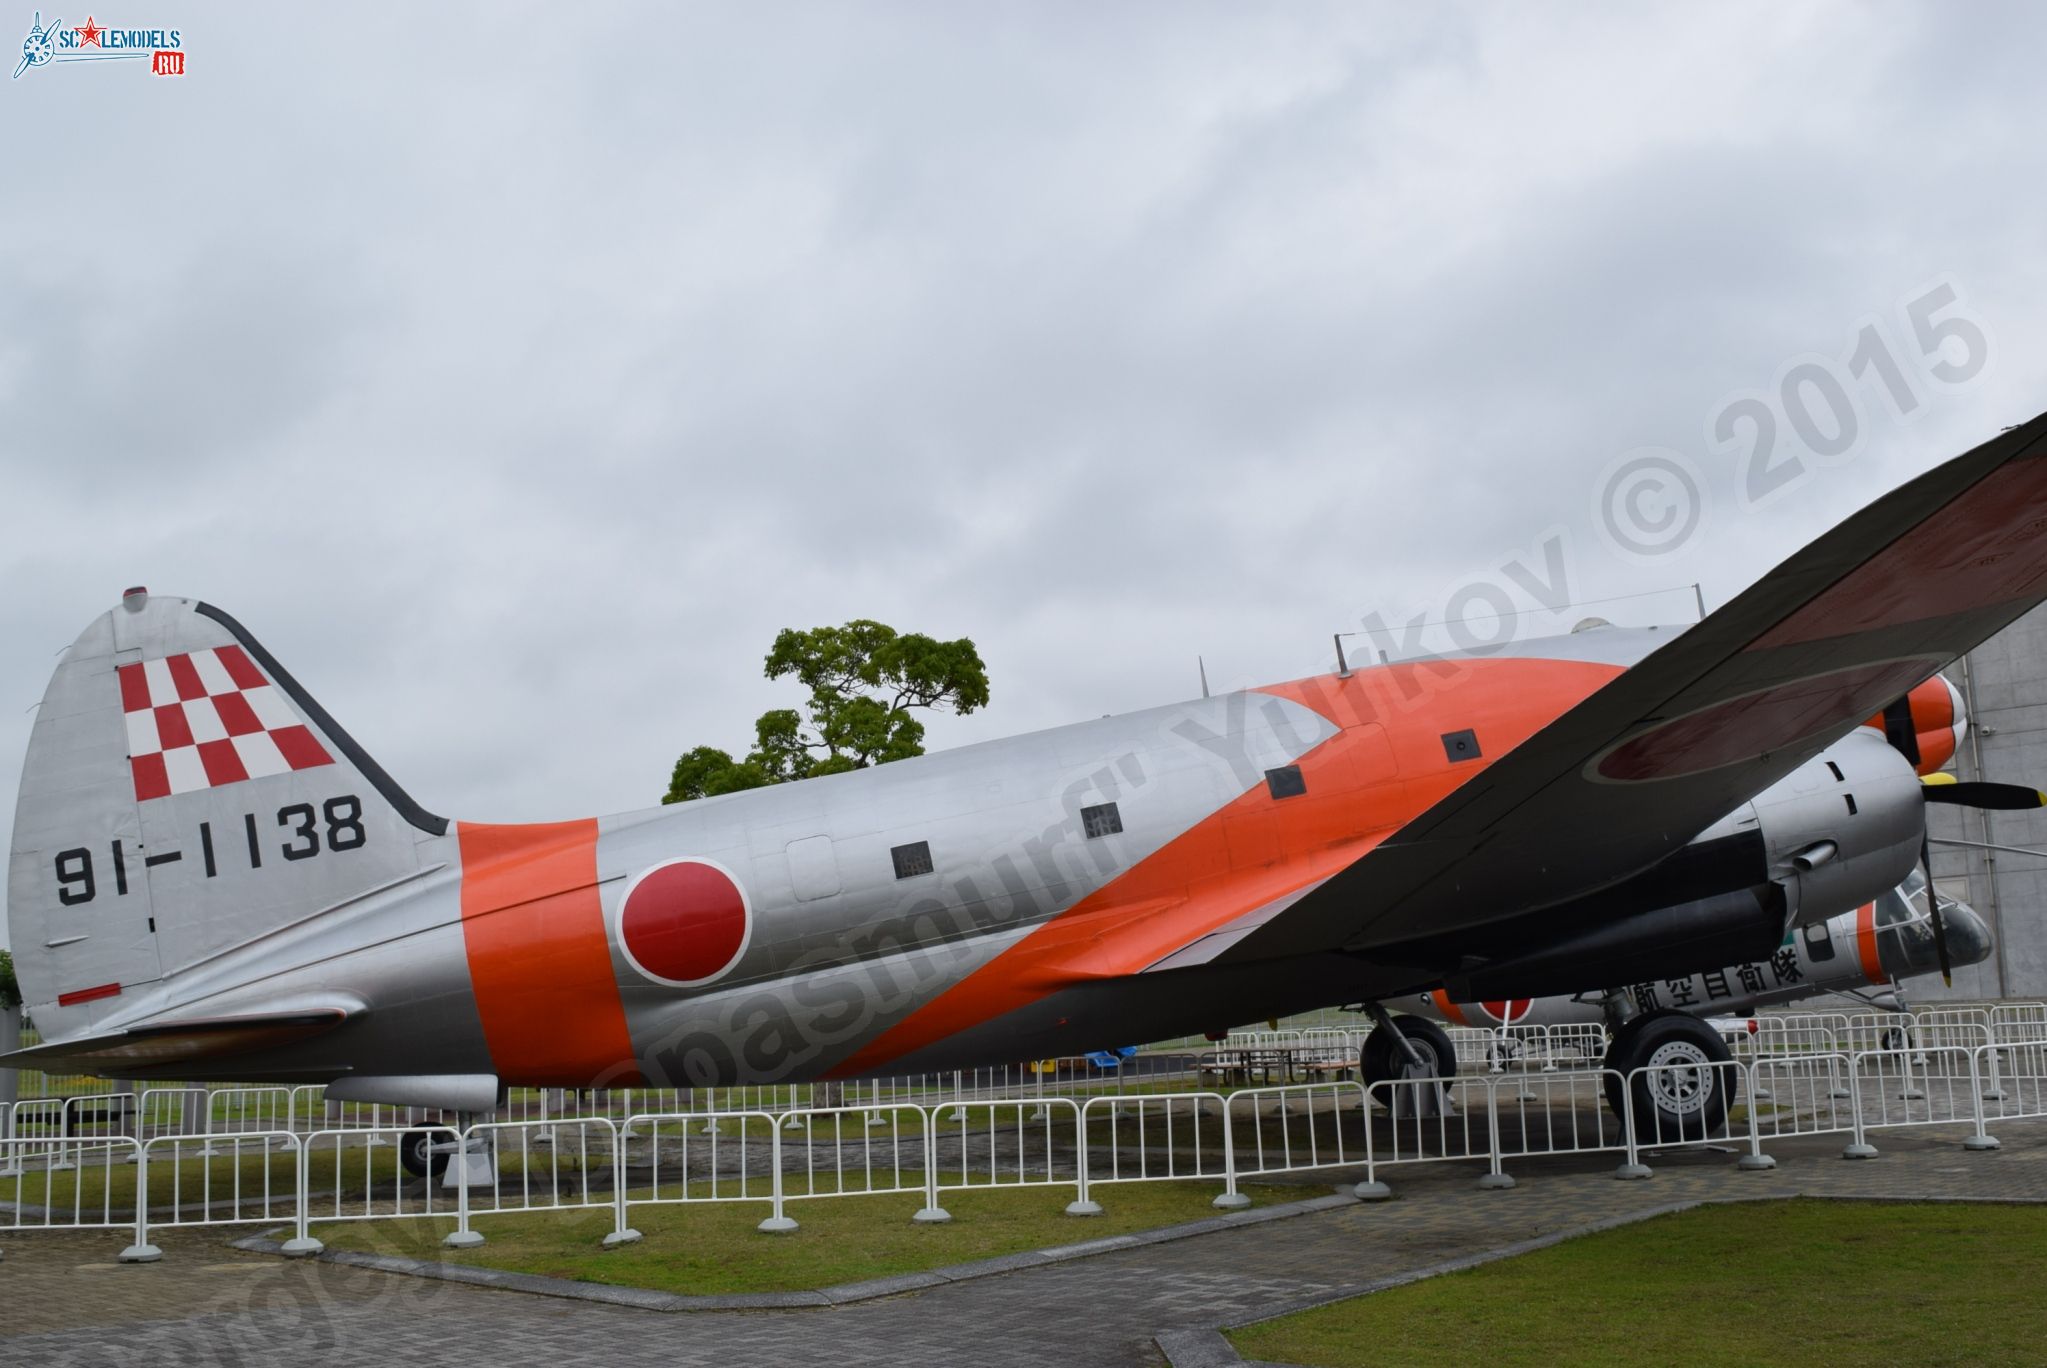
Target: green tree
column 10, row 991
column 864, row 679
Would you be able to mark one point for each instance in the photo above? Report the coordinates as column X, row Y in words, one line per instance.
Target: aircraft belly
column 1158, row 1006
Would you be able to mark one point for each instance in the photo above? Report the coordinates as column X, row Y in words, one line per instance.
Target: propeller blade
column 1899, row 730
column 1984, row 794
column 1947, row 968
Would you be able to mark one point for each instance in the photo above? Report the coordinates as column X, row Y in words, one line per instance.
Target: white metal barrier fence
column 262, row 1155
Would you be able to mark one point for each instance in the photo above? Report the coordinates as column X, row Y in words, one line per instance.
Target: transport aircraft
column 210, row 879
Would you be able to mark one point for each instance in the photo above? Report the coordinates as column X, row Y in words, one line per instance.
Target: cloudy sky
column 516, row 373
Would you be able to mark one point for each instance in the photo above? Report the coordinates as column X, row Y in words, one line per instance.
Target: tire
column 416, row 1153
column 1687, row 1096
column 1382, row 1059
column 1619, row 1049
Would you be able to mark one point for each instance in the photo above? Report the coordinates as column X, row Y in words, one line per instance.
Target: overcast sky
column 516, row 373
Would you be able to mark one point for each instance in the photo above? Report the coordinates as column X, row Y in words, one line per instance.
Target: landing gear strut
column 1405, row 1047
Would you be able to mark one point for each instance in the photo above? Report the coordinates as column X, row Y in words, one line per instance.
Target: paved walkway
column 64, row 1302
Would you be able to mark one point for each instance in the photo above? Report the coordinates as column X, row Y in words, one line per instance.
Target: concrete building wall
column 2004, row 681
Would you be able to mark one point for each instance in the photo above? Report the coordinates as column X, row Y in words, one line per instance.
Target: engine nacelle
column 1842, row 829
column 1838, row 832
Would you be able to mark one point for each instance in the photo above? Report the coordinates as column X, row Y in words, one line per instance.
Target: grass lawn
column 1791, row 1283
column 713, row 1247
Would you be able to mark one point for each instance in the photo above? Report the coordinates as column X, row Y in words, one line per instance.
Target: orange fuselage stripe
column 539, row 959
column 1386, row 764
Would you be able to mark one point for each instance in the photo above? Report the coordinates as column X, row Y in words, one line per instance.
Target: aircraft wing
column 1635, row 771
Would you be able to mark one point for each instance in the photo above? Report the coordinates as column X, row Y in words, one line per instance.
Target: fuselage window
column 1285, row 782
column 1819, row 941
column 912, row 859
column 1101, row 820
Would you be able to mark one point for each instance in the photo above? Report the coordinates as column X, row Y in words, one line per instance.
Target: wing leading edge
column 1641, row 766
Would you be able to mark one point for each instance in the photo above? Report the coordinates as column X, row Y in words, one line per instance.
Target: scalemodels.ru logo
column 92, row 41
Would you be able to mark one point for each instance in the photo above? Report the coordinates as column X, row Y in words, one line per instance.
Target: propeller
column 1902, row 731
column 1940, row 954
column 1978, row 793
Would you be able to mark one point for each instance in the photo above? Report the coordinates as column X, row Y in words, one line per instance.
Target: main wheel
column 1382, row 1057
column 416, row 1152
column 1688, row 1074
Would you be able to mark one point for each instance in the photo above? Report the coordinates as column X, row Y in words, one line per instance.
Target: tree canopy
column 865, row 678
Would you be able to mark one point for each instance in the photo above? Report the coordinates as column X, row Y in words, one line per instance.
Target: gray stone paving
column 63, row 1302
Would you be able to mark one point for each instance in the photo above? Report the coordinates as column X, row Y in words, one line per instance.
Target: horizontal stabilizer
column 176, row 1042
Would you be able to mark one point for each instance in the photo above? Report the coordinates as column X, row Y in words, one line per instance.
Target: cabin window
column 912, row 859
column 1819, row 941
column 1101, row 820
column 1460, row 745
column 1285, row 782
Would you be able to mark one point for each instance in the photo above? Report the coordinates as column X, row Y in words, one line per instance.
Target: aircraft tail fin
column 182, row 795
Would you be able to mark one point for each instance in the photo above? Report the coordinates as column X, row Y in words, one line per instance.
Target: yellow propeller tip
column 1937, row 780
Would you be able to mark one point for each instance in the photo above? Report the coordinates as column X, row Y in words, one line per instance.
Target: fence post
column 206, row 1150
column 1909, row 1089
column 621, row 1233
column 1981, row 1140
column 776, row 1221
column 1755, row 1161
column 1371, row 1190
column 933, row 1213
column 1632, row 1166
column 1858, row 1147
column 301, row 1244
column 1834, row 1056
column 63, row 1162
column 142, row 1251
column 1496, row 1179
column 1994, row 1092
column 1229, row 1198
column 1082, row 1204
column 461, row 1237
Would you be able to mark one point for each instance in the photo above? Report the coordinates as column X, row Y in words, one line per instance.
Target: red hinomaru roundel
column 684, row 922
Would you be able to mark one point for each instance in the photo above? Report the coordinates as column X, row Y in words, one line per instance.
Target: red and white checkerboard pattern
column 208, row 718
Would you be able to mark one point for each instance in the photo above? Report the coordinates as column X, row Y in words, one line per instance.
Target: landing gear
column 1382, row 1057
column 418, row 1153
column 1689, row 1073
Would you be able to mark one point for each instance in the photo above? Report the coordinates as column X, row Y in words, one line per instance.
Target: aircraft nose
column 1968, row 935
column 1906, row 945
